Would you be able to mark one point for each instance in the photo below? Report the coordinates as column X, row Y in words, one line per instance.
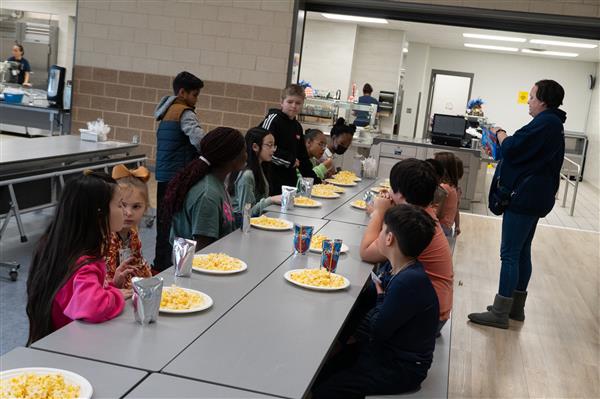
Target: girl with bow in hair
column 125, row 247
column 196, row 204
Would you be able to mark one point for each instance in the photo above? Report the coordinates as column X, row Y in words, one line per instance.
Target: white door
column 450, row 94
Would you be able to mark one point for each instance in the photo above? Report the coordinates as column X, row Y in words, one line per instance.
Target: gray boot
column 517, row 311
column 497, row 316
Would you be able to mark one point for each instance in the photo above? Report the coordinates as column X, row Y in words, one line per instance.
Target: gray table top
column 329, row 205
column 152, row 346
column 277, row 338
column 348, row 214
column 108, row 381
column 166, row 386
column 21, row 150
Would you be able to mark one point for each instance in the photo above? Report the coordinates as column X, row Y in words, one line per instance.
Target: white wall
column 592, row 166
column 245, row 42
column 499, row 78
column 327, row 53
column 377, row 59
column 415, row 81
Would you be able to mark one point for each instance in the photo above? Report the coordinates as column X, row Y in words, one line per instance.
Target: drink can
column 302, row 237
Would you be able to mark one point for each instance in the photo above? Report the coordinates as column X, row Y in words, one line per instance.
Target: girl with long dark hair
column 67, row 274
column 196, row 204
column 251, row 186
column 449, row 182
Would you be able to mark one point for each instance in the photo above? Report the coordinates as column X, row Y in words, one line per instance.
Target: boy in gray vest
column 177, row 144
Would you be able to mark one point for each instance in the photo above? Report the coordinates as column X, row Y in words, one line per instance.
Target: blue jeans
column 515, row 252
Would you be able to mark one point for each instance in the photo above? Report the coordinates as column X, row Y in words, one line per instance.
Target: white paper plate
column 85, row 388
column 352, row 204
column 357, row 179
column 316, row 205
column 207, row 303
column 343, row 250
column 289, row 226
column 244, row 266
column 332, row 196
column 287, row 276
column 337, row 183
column 379, row 189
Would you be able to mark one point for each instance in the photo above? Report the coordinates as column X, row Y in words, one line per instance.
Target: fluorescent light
column 405, row 50
column 564, row 44
column 486, row 47
column 354, row 18
column 492, row 37
column 545, row 52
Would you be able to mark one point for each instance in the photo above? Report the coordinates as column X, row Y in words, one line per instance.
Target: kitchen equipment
column 448, row 129
column 56, row 85
column 13, row 98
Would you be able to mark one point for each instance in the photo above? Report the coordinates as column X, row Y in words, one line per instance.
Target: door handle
column 397, row 152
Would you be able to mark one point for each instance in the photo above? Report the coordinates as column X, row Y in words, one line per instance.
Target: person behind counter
column 289, row 138
column 362, row 117
column 524, row 188
column 340, row 140
column 393, row 345
column 316, row 143
column 24, row 70
column 251, row 186
column 196, row 200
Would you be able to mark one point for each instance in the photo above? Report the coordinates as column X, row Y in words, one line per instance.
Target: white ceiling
column 445, row 36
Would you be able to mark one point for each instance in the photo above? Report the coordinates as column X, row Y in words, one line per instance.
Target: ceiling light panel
column 545, row 52
column 354, row 18
column 487, row 47
column 494, row 37
column 563, row 44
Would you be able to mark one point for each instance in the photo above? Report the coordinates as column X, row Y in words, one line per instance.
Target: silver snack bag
column 147, row 293
column 288, row 193
column 183, row 256
column 369, row 197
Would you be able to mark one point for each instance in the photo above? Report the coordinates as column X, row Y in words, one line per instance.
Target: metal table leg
column 15, row 209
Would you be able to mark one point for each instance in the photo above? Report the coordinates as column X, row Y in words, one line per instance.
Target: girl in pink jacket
column 67, row 277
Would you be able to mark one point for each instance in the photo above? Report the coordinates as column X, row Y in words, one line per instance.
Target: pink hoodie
column 85, row 296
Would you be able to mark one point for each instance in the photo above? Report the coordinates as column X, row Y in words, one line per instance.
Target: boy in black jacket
column 289, row 138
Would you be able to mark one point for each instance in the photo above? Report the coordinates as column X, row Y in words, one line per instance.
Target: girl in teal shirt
column 250, row 185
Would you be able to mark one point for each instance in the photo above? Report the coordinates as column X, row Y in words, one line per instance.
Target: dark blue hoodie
column 531, row 163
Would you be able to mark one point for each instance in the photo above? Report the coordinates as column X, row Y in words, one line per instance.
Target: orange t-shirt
column 450, row 208
column 437, row 261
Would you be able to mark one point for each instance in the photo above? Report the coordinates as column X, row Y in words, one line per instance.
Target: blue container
column 13, row 98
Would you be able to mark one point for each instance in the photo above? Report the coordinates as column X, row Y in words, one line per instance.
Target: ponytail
column 219, row 147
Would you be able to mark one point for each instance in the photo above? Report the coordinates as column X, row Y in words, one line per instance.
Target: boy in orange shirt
column 414, row 182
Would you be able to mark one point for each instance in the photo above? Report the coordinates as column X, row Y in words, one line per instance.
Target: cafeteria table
column 328, row 204
column 150, row 347
column 348, row 214
column 169, row 387
column 277, row 338
column 107, row 380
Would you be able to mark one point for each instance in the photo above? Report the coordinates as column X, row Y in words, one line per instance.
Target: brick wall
column 126, row 101
column 237, row 41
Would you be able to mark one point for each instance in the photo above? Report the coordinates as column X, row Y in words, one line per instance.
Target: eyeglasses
column 269, row 146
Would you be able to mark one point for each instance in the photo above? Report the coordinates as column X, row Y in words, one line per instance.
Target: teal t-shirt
column 245, row 193
column 206, row 211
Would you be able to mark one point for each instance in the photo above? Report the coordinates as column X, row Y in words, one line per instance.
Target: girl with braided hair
column 196, row 204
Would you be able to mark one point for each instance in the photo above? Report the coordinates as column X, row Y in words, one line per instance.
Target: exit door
column 449, row 93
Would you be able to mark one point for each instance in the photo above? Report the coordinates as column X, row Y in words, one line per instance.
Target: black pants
column 162, row 259
column 354, row 374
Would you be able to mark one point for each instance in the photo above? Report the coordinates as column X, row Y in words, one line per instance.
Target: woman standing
column 22, row 76
column 524, row 186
